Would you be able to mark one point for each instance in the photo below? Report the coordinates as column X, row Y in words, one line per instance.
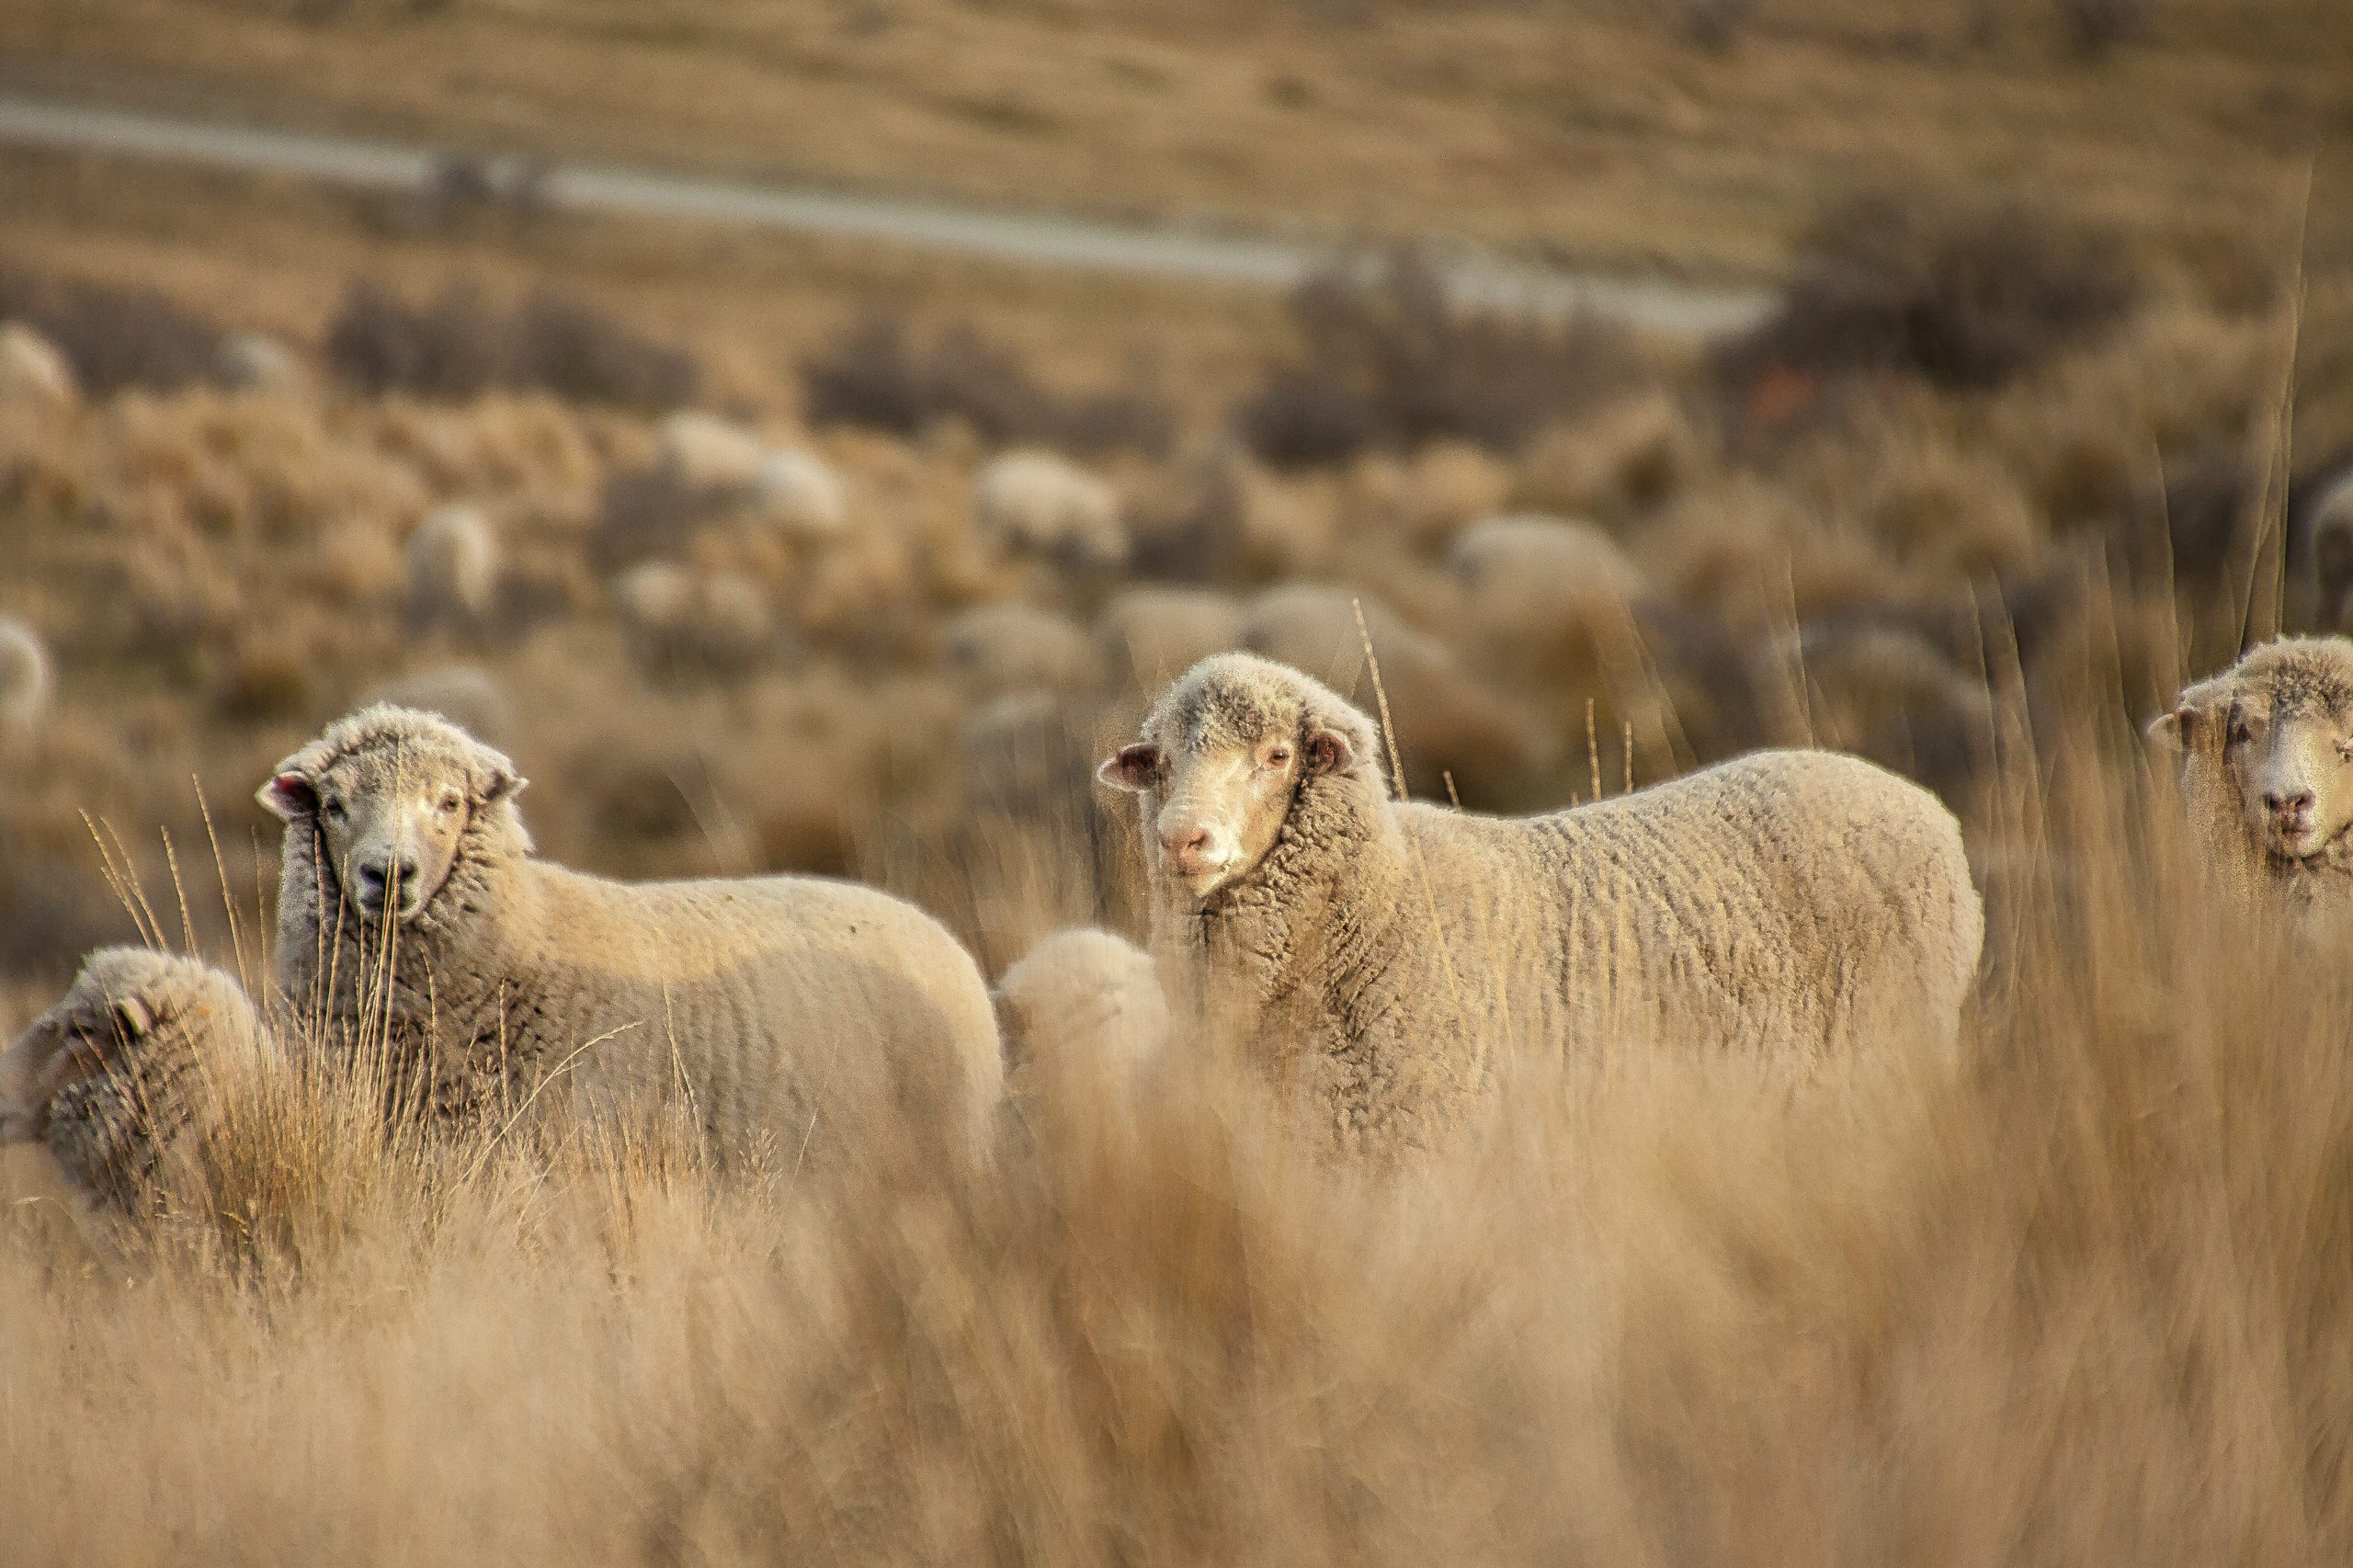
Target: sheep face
column 391, row 816
column 2281, row 751
column 1221, row 764
column 2293, row 766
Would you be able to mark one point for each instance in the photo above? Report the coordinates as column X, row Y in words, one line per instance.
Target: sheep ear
column 132, row 1018
column 2187, row 728
column 504, row 784
column 1135, row 768
column 291, row 796
column 1326, row 751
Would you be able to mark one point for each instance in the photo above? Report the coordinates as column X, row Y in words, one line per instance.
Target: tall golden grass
column 2083, row 1294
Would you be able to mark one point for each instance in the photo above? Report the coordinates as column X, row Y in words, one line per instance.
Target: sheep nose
column 375, row 876
column 1186, row 845
column 2295, row 804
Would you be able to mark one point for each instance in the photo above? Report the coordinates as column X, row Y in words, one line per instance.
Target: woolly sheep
column 1147, row 637
column 452, row 570
column 800, row 493
column 25, row 679
column 704, row 454
column 111, row 1079
column 1037, row 503
column 253, row 361
column 2330, row 557
column 1003, row 648
column 463, row 694
column 33, row 371
column 1548, row 596
column 2266, row 752
column 680, row 622
column 778, row 1011
column 1380, row 956
column 1448, row 725
column 1083, row 1010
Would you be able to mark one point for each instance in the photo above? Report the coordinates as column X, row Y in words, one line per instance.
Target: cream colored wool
column 111, row 1079
column 1040, row 505
column 1383, row 962
column 1081, row 1011
column 453, row 559
column 785, row 1014
column 1004, row 649
column 25, row 678
column 33, row 371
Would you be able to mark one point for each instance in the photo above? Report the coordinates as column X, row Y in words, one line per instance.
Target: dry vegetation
column 1972, row 503
column 1607, row 130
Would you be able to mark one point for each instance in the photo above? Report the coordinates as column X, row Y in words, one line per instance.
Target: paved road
column 1031, row 239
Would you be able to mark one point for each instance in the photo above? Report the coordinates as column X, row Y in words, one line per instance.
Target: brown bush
column 1966, row 296
column 875, row 375
column 115, row 335
column 456, row 344
column 1388, row 358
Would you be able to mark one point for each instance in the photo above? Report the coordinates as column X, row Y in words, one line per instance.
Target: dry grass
column 2079, row 1296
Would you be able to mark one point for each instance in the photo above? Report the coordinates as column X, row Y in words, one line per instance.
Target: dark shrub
column 2094, row 30
column 458, row 346
column 1712, row 25
column 576, row 351
column 1965, row 297
column 453, row 346
column 1387, row 357
column 115, row 336
column 876, row 375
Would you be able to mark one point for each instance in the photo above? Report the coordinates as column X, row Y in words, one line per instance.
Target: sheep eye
column 1279, row 756
column 449, row 801
column 333, row 808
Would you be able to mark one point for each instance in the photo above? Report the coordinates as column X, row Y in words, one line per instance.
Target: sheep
column 778, row 1011
column 1003, row 648
column 1376, row 957
column 1036, row 504
column 463, row 694
column 1448, row 725
column 1147, row 637
column 1552, row 598
column 2329, row 556
column 33, row 371
column 1885, row 692
column 681, row 623
column 702, row 454
column 25, row 678
column 253, row 361
column 113, row 1080
column 2266, row 754
column 452, row 570
column 800, row 493
column 1083, row 1015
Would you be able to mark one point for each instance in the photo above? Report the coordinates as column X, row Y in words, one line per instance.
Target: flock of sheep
column 1381, row 962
